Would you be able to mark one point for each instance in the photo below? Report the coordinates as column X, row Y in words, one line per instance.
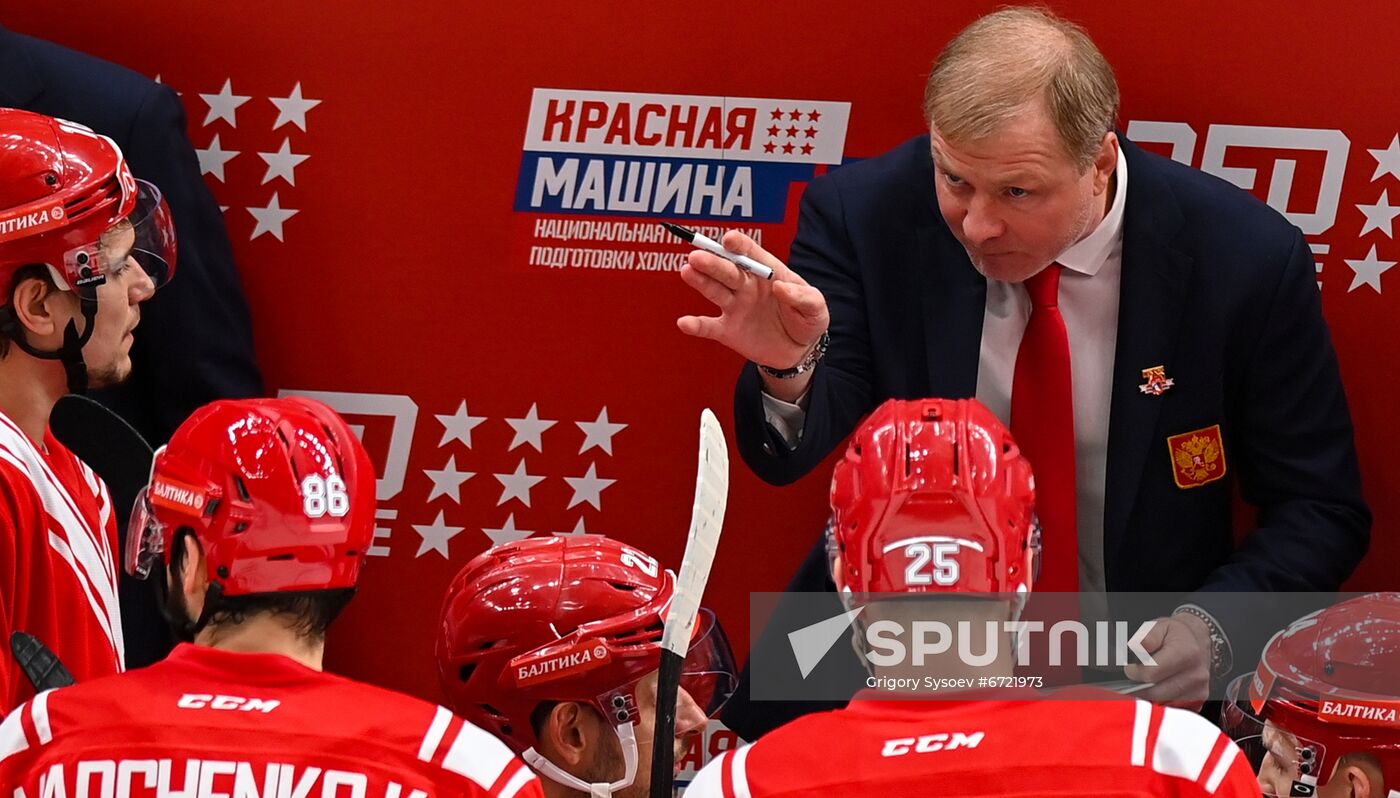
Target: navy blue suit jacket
column 1216, row 286
column 195, row 343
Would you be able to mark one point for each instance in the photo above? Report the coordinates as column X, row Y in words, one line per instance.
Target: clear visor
column 1285, row 763
column 145, row 538
column 708, row 676
column 145, row 239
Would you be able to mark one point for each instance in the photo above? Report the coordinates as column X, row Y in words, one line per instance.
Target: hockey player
column 1321, row 714
column 553, row 644
column 933, row 498
column 256, row 520
column 82, row 244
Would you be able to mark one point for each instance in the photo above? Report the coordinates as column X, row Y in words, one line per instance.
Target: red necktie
column 1042, row 420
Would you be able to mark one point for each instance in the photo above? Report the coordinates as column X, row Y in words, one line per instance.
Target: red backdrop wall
column 413, row 267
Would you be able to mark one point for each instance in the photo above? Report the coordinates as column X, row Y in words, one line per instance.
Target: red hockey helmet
column 279, row 492
column 1326, row 687
column 933, row 496
column 565, row 619
column 67, row 199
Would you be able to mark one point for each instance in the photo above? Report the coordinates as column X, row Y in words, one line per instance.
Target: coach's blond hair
column 1002, row 63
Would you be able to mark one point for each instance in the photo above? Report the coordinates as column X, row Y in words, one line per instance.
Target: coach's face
column 1016, row 199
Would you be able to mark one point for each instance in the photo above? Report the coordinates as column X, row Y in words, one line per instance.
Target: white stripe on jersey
column 12, row 739
column 87, row 558
column 1142, row 719
column 60, row 546
column 522, row 777
column 1184, row 743
column 477, row 755
column 39, row 713
column 1222, row 766
column 104, row 511
column 433, row 738
column 741, row 772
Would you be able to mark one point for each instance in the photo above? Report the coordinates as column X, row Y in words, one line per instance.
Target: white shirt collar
column 1088, row 254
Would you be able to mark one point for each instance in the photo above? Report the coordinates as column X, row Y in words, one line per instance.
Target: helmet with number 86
column 280, row 494
column 933, row 496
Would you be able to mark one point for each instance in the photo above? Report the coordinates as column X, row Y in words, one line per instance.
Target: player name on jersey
column 206, row 778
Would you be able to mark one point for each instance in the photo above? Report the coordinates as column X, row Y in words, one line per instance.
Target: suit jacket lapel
column 1153, row 295
column 952, row 293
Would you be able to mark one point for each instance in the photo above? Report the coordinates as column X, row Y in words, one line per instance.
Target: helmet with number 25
column 933, row 496
column 280, row 494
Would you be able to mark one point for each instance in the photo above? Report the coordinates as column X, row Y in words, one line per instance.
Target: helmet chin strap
column 626, row 733
column 71, row 352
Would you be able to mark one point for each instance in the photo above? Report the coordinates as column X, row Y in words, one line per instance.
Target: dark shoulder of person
column 72, row 85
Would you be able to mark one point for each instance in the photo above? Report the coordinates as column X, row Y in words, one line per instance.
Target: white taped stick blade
column 706, row 522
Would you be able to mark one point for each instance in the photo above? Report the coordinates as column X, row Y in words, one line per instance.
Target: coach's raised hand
column 773, row 323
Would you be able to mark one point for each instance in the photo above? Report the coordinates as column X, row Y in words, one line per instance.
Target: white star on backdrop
column 1380, row 215
column 448, row 481
column 213, row 158
column 517, row 485
column 578, row 530
column 599, row 432
column 435, row 536
column 224, row 105
column 1368, row 271
column 281, row 163
column 292, row 108
column 270, row 218
column 507, row 533
column 529, row 429
column 1387, row 160
column 588, row 488
column 458, row 426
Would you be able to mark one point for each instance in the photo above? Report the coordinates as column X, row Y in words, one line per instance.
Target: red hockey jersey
column 58, row 561
column 206, row 722
column 1003, row 746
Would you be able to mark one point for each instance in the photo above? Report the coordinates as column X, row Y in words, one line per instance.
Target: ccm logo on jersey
column 930, row 743
column 227, row 702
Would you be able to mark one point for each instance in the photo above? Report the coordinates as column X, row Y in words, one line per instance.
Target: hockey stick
column 118, row 453
column 44, row 670
column 109, row 445
column 706, row 522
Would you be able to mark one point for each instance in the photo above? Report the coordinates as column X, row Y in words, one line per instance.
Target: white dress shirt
column 1089, row 303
